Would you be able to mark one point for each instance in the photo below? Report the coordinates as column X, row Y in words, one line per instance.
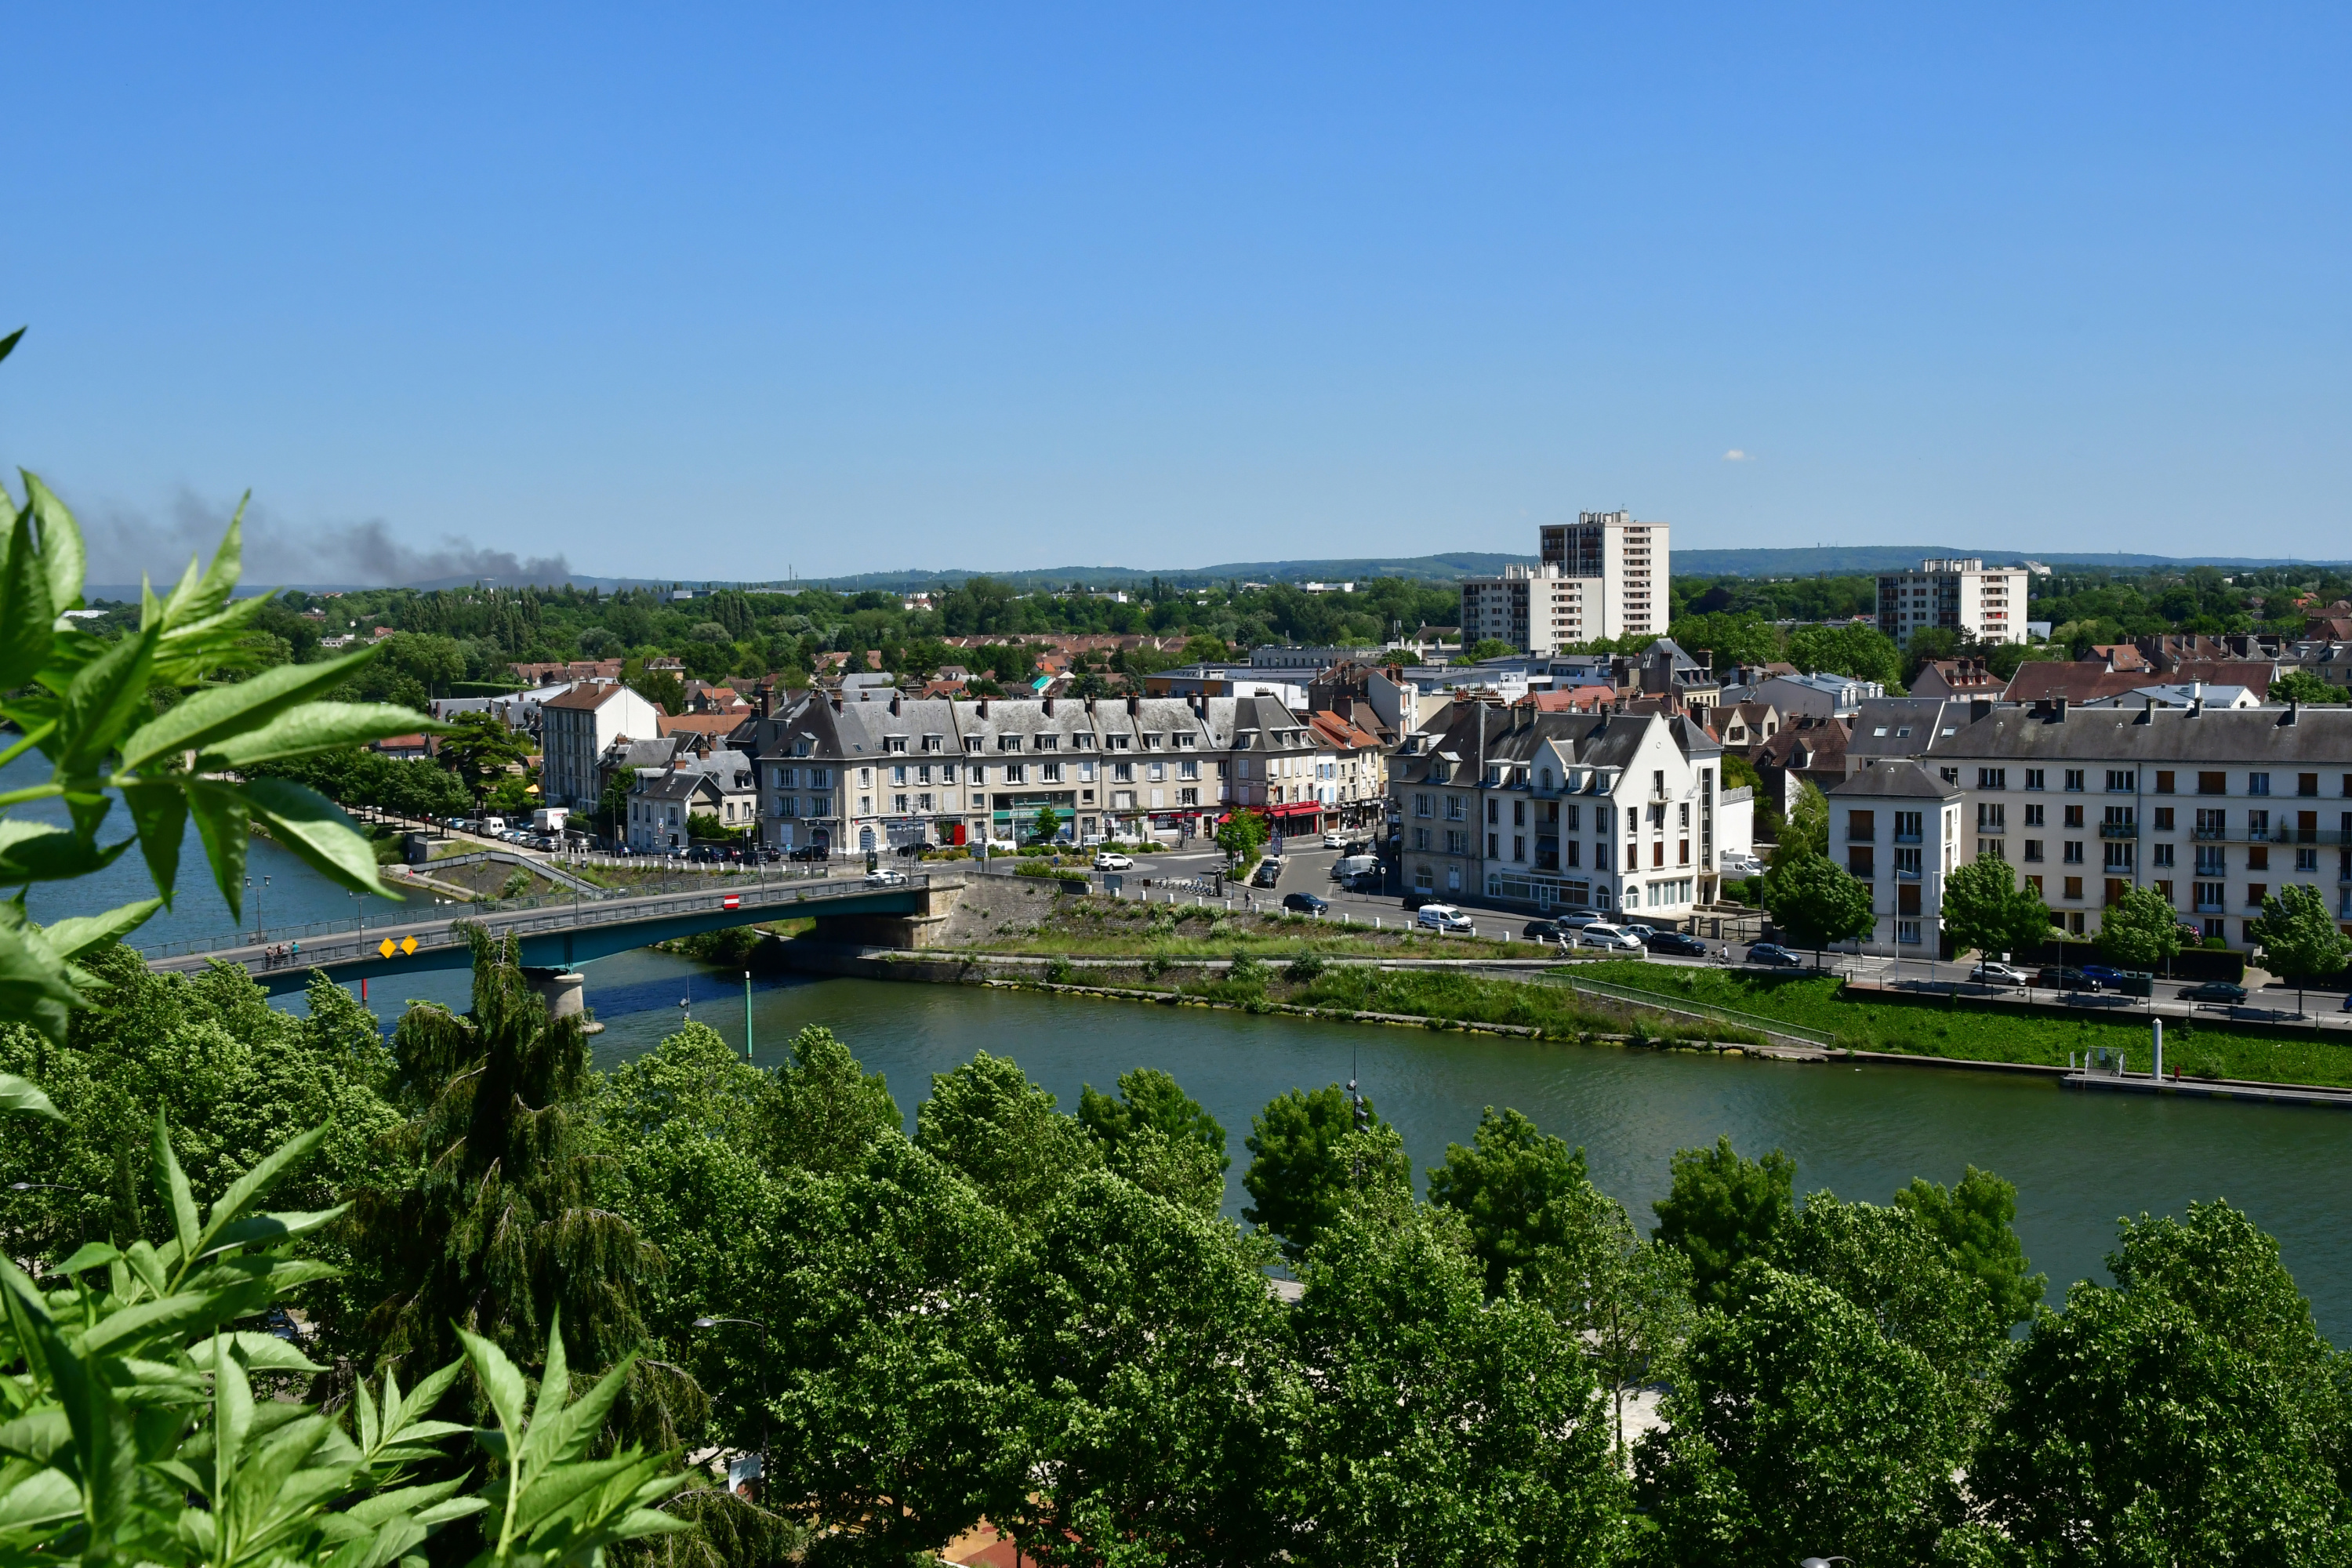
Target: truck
column 551, row 818
column 1346, row 869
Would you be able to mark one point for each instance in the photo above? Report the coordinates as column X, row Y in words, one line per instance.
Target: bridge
column 556, row 935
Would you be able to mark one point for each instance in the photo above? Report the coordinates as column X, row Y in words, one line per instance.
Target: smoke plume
column 123, row 543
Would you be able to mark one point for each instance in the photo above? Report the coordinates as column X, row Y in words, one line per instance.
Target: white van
column 1440, row 917
column 493, row 825
column 1351, row 867
column 1611, row 938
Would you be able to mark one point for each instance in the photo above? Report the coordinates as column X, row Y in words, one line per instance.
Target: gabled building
column 662, row 802
column 575, row 727
column 1896, row 827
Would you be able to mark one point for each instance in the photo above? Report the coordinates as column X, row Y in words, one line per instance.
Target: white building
column 1819, row 696
column 1956, row 594
column 1603, row 576
column 575, row 726
column 1897, row 827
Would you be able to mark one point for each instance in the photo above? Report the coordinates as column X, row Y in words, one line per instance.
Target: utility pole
column 747, row 1014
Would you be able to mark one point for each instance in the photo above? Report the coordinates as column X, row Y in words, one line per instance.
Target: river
column 2079, row 1161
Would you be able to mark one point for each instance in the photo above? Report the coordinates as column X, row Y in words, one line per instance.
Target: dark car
column 1772, row 955
column 2060, row 977
column 2214, row 991
column 1680, row 944
column 808, row 852
column 1304, row 903
column 1543, row 930
column 2104, row 976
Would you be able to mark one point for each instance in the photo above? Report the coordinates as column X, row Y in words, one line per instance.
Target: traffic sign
column 384, row 947
column 407, row 945
column 732, row 902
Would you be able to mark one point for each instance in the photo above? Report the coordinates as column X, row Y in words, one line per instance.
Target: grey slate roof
column 1896, row 778
column 2316, row 737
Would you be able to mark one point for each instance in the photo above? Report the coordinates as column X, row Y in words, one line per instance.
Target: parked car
column 806, row 852
column 1335, row 840
column 1268, row 874
column 1676, row 944
column 1440, row 917
column 1109, row 861
column 1544, row 931
column 1642, row 929
column 2214, row 991
column 2060, row 977
column 885, row 878
column 1772, row 955
column 2106, row 976
column 1992, row 971
column 1304, row 903
column 1607, row 938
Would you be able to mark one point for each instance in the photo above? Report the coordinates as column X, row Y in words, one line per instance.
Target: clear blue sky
column 674, row 290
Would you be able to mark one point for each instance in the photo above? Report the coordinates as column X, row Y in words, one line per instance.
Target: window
column 2255, row 893
column 972, row 743
column 2306, row 860
column 894, row 743
column 2034, row 850
column 1493, row 810
column 1008, row 742
column 1861, row 860
column 1494, row 847
column 931, row 743
column 1421, row 805
column 1518, row 847
column 1454, row 811
column 1518, row 814
column 899, row 773
column 1575, row 854
column 2159, row 854
column 820, row 778
column 1908, row 931
column 2163, row 818
column 1569, row 819
column 1861, row 826
column 1951, row 776
column 1421, row 838
column 2258, row 826
column 2212, row 860
column 1457, row 842
column 1122, row 773
column 1083, row 741
column 2209, row 895
column 2212, row 784
column 2258, row 857
column 898, row 804
column 1992, row 778
column 2073, row 886
column 2033, row 816
column 2257, row 783
column 2073, row 852
column 1016, row 773
column 2074, row 816
column 1991, row 816
column 2033, row 778
column 2074, row 780
column 2163, row 782
column 1156, row 770
column 1050, row 772
column 1187, row 798
column 1906, row 826
column 1189, row 768
column 2122, row 781
column 2116, row 857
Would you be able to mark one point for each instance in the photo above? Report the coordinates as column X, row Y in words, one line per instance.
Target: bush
column 1304, row 968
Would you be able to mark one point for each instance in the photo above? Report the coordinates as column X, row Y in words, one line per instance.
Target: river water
column 2079, row 1160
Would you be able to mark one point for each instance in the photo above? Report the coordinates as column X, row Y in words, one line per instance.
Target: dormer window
column 894, row 742
column 932, row 742
column 1049, row 743
column 1151, row 741
column 1083, row 742
column 972, row 743
column 1008, row 742
column 1544, row 777
column 1184, row 742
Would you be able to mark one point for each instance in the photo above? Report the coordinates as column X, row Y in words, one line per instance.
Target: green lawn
column 1098, row 928
column 1987, row 1034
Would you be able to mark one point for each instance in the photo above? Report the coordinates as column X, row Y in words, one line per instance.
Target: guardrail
column 1693, row 1007
column 333, row 941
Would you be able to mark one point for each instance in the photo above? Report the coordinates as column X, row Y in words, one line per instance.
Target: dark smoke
column 123, row 543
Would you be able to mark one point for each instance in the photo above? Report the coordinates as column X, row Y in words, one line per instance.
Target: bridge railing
column 336, row 941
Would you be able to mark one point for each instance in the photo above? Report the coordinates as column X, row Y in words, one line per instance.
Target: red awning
column 1297, row 809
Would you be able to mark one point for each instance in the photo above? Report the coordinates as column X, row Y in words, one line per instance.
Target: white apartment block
column 1602, row 576
column 1956, row 594
column 2215, row 809
column 1898, row 828
column 575, row 726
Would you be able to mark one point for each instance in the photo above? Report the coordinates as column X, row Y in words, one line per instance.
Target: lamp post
column 711, row 1322
column 257, row 905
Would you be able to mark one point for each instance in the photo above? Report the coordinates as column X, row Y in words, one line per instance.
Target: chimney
column 984, row 708
column 767, row 700
column 2292, row 707
column 2058, row 710
column 895, row 709
column 1979, row 707
column 837, row 700
column 1134, row 703
column 1049, row 708
column 1090, row 707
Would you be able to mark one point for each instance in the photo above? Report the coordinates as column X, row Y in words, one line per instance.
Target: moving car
column 1334, row 841
column 2060, row 977
column 1268, row 874
column 1609, row 938
column 1347, row 868
column 1992, row 971
column 1676, row 944
column 885, row 878
column 1545, row 930
column 1440, row 917
column 1772, row 955
column 1109, row 860
column 807, row 852
column 2214, row 991
column 2106, row 976
column 1304, row 903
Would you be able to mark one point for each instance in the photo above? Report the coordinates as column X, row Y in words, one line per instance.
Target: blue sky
column 713, row 292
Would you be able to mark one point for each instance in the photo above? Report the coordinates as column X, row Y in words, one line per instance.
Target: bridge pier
column 560, row 989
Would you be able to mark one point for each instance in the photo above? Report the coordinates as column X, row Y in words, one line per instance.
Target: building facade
column 2214, row 809
column 1897, row 827
column 1603, row 576
column 575, row 727
column 1955, row 594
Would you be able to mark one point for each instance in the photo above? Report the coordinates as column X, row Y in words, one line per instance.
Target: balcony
column 2211, row 835
column 1908, row 838
column 2119, row 830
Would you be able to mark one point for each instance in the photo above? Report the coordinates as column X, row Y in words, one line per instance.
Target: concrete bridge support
column 560, row 989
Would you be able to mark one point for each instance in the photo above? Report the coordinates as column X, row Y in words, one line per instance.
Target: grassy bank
column 1941, row 1028
column 1104, row 928
column 1451, row 997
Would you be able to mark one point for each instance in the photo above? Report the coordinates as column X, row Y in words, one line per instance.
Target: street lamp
column 256, row 906
column 711, row 1322
column 1822, row 1561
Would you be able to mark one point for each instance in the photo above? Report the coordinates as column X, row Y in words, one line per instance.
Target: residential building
column 2187, row 694
column 1810, row 750
column 1892, row 728
column 1958, row 678
column 575, row 726
column 1897, row 827
column 1312, row 660
column 1602, row 576
column 2215, row 809
column 1820, row 696
column 1665, row 670
column 1356, row 794
column 2116, row 672
column 1560, row 811
column 1955, row 594
column 718, row 784
column 1744, row 726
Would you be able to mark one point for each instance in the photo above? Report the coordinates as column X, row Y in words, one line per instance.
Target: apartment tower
column 1603, row 576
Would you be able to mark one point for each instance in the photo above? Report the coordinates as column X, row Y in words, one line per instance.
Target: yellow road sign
column 408, row 945
column 384, row 947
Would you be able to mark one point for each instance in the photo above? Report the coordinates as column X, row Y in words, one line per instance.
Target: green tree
column 1975, row 1221
column 2302, row 686
column 1241, row 835
column 1808, row 827
column 478, row 751
column 986, row 1121
column 2187, row 1414
column 1301, row 1168
column 2298, row 937
column 1160, row 1138
column 1444, row 1428
column 501, row 1230
column 1862, row 652
column 876, row 1295
column 1733, row 637
column 830, row 1110
column 1723, row 1210
column 1484, row 648
column 2140, row 931
column 1794, row 1420
column 1203, row 649
column 1519, row 1190
column 1045, row 824
column 1987, row 911
column 1148, row 1393
column 1817, row 902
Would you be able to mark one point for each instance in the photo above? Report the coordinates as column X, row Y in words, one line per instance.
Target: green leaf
column 42, row 1498
column 8, row 344
column 102, row 701
column 317, row 832
column 501, row 1383
column 320, row 727
column 61, row 548
column 194, row 600
column 159, row 814
column 174, row 1182
column 260, row 1351
column 182, row 1312
column 91, row 1255
column 77, row 934
column 565, row 1436
column 35, row 852
column 246, row 1188
column 222, row 815
column 217, row 713
column 232, row 1420
column 273, row 1227
column 22, row 1096
column 35, row 986
column 25, row 617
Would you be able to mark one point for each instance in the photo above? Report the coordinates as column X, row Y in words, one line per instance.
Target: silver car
column 1609, row 938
